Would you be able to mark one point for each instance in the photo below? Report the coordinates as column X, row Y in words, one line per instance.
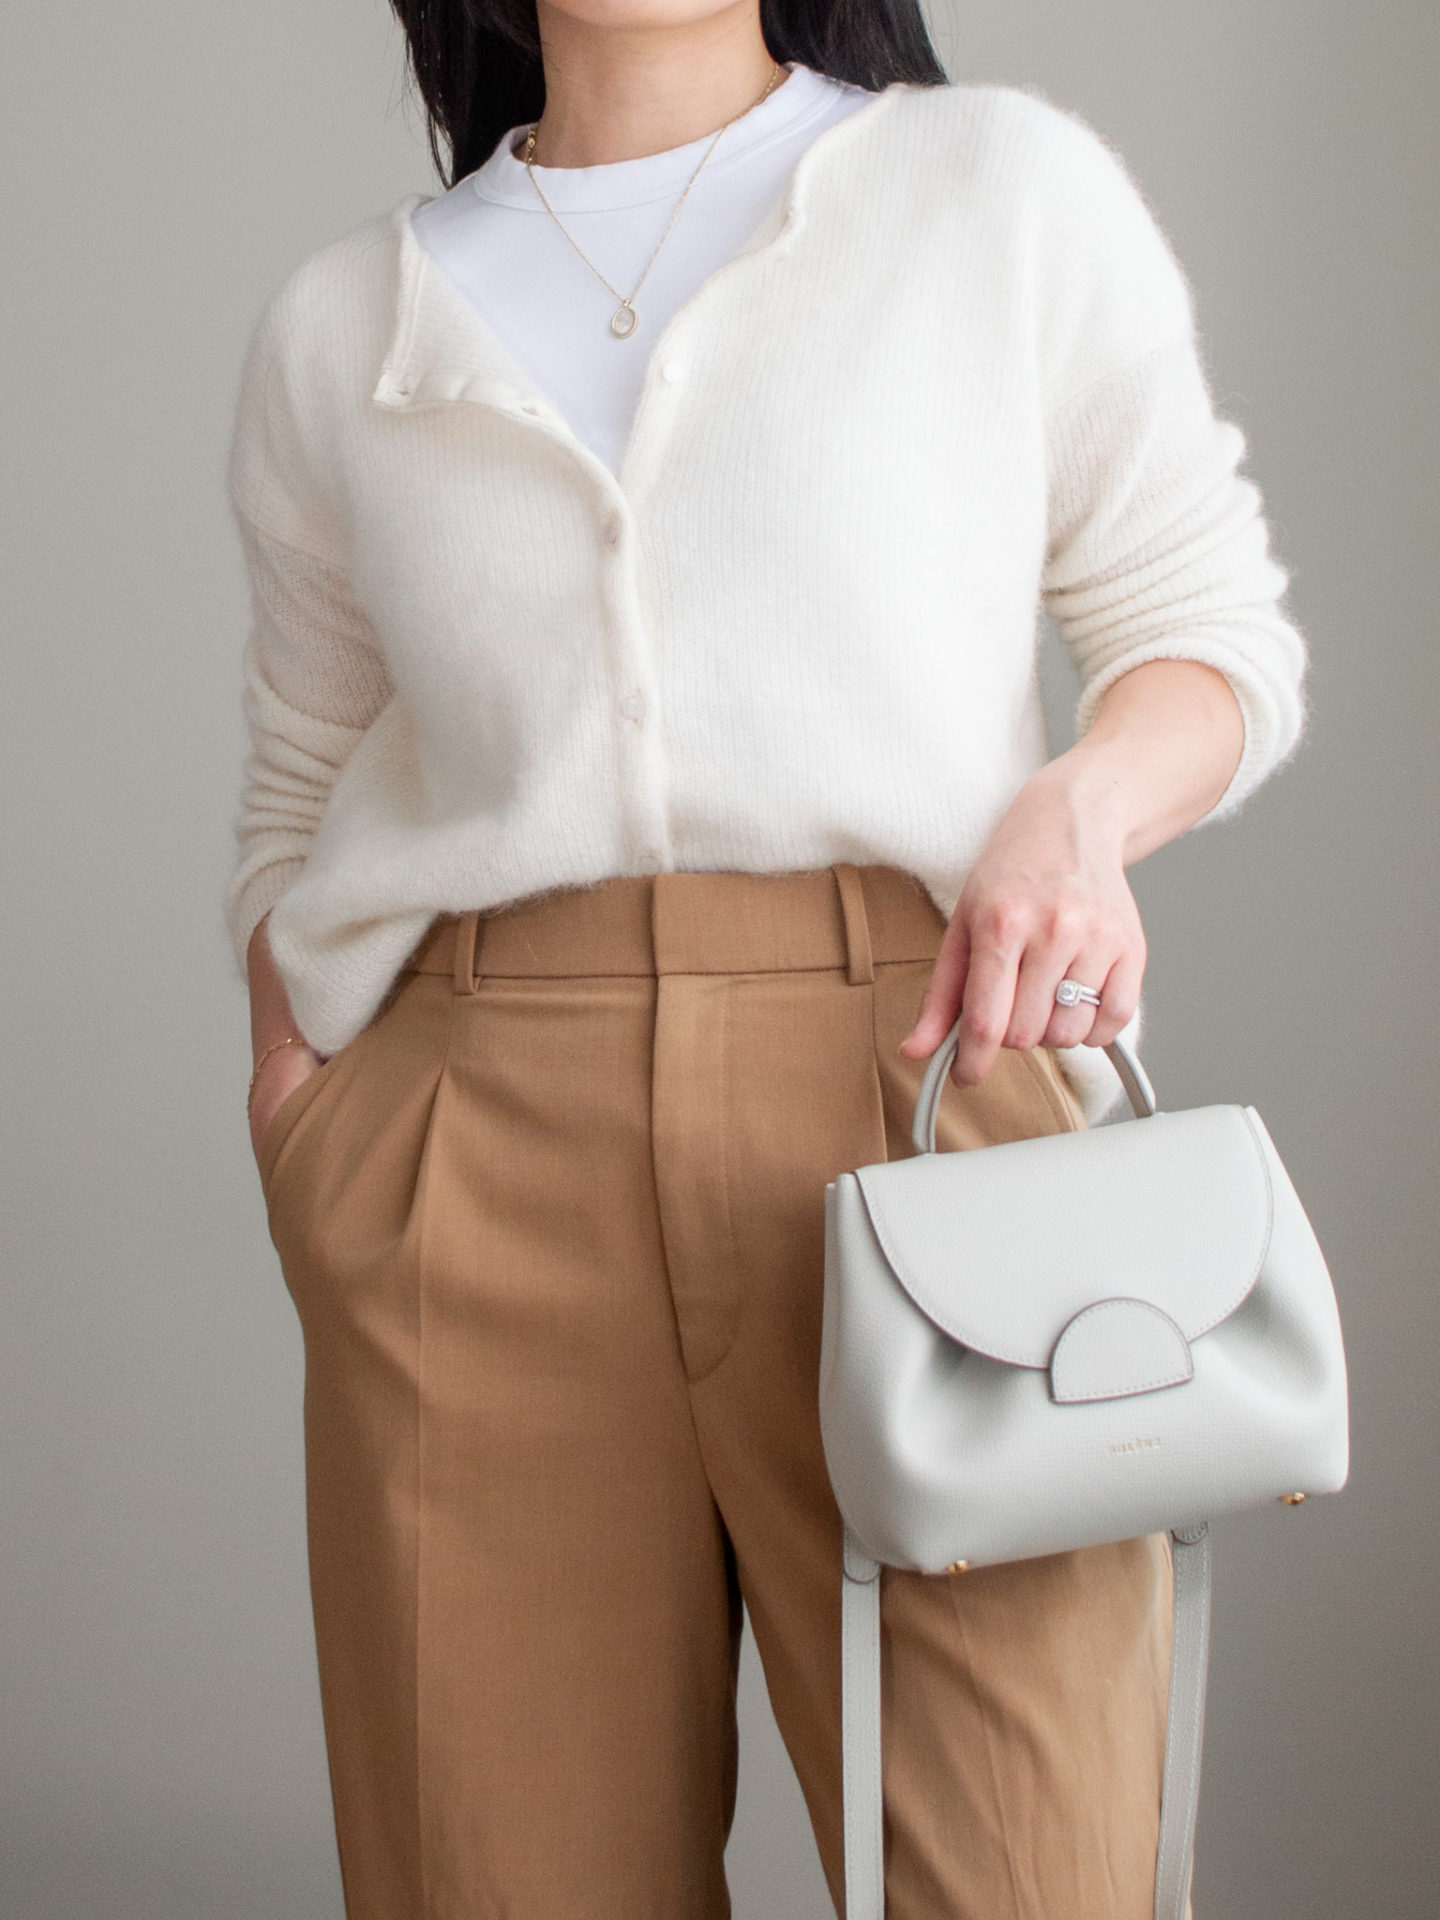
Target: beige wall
column 164, row 166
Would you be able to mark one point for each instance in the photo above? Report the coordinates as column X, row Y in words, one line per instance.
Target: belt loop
column 859, row 961
column 466, row 929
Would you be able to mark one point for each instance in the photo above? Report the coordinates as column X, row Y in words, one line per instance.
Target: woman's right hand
column 271, row 1019
column 278, row 1079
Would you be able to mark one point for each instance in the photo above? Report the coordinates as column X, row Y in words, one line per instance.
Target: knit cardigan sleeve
column 1157, row 544
column 313, row 675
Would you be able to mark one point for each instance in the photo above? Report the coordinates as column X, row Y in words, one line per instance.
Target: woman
column 647, row 535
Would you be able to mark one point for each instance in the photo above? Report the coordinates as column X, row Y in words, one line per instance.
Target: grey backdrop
column 164, row 166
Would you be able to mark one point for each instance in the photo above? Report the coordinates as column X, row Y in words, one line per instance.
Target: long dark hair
column 476, row 63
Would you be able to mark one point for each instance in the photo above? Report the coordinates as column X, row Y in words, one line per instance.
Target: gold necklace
column 624, row 320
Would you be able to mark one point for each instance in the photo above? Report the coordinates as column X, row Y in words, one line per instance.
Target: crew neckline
column 503, row 178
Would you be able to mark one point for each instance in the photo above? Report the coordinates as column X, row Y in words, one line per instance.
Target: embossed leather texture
column 1060, row 1342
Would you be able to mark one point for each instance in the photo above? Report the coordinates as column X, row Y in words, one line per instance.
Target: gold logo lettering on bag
column 1148, row 1445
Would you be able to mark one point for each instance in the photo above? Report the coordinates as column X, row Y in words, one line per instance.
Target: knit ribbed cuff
column 248, row 904
column 1272, row 723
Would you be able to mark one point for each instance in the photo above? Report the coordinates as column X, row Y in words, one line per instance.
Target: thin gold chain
column 624, row 320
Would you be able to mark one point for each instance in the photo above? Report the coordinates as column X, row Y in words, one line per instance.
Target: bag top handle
column 1133, row 1078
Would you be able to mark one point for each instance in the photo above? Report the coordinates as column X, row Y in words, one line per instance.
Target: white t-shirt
column 495, row 241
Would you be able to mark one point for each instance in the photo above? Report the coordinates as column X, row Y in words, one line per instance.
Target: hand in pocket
column 280, row 1075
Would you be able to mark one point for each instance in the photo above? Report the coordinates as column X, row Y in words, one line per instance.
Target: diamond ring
column 1070, row 993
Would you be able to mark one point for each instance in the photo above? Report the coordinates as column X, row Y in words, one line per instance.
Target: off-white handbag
column 1059, row 1342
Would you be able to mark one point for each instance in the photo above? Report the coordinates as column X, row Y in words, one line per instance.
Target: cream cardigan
column 951, row 379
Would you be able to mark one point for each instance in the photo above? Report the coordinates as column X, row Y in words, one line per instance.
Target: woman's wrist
column 1159, row 754
column 1082, row 795
column 289, row 1040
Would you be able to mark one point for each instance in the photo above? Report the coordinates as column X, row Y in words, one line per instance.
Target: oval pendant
column 624, row 321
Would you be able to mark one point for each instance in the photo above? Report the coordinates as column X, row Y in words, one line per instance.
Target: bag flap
column 1002, row 1246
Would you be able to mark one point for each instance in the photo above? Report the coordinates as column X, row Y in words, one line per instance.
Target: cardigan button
column 649, row 863
column 633, row 706
column 611, row 530
column 673, row 371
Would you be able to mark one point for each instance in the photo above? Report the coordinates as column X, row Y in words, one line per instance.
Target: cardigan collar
column 441, row 350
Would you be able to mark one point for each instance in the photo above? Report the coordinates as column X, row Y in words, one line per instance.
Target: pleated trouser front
column 553, row 1226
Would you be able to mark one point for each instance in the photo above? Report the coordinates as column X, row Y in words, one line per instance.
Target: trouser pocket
column 350, row 1133
column 288, row 1114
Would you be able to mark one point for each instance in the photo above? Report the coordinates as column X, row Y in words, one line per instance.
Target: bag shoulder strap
column 860, row 1695
column 1185, row 1724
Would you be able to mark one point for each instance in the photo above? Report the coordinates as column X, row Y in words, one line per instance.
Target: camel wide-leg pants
column 553, row 1226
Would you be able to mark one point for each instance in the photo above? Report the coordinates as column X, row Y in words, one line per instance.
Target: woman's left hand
column 1047, row 900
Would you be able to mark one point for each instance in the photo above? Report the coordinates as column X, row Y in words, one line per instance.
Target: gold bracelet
column 291, row 1040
